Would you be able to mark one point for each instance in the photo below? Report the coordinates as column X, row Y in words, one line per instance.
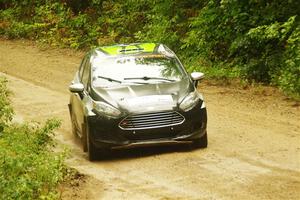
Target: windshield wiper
column 118, row 81
column 109, row 79
column 146, row 78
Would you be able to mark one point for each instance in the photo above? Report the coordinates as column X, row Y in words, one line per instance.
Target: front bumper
column 106, row 133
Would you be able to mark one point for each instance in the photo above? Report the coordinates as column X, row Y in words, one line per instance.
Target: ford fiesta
column 134, row 95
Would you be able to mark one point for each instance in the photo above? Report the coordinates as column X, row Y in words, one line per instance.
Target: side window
column 82, row 67
column 86, row 73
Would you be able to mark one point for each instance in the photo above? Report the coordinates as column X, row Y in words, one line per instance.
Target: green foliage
column 289, row 76
column 267, row 44
column 6, row 111
column 29, row 169
column 251, row 35
column 255, row 36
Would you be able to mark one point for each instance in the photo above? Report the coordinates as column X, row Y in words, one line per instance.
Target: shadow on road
column 134, row 153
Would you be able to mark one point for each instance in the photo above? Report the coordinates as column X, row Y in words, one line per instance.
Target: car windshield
column 138, row 69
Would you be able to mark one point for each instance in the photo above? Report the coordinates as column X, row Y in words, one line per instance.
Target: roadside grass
column 231, row 77
column 29, row 166
column 219, row 74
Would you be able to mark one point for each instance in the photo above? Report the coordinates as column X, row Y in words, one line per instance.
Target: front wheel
column 201, row 142
column 83, row 138
column 73, row 123
column 91, row 149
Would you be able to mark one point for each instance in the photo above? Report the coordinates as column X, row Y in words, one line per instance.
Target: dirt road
column 254, row 138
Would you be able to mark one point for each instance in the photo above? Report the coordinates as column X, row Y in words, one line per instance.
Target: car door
column 78, row 99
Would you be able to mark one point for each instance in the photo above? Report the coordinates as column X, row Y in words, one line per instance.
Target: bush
column 6, row 111
column 258, row 37
column 289, row 76
column 29, row 169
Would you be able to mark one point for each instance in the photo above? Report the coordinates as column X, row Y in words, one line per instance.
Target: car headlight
column 190, row 101
column 105, row 109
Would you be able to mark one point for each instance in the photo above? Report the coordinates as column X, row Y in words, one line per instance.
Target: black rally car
column 133, row 95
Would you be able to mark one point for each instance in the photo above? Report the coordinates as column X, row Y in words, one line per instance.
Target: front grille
column 151, row 120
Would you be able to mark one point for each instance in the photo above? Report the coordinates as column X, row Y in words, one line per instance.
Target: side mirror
column 196, row 76
column 76, row 87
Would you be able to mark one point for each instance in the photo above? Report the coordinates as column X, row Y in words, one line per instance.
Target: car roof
column 134, row 49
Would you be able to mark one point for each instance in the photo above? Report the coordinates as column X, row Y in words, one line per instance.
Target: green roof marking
column 129, row 49
column 112, row 50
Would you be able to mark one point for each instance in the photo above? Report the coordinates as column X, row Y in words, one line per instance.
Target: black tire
column 73, row 126
column 91, row 149
column 201, row 142
column 84, row 137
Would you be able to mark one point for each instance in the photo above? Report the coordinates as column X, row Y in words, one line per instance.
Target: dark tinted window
column 86, row 73
column 82, row 66
column 124, row 68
